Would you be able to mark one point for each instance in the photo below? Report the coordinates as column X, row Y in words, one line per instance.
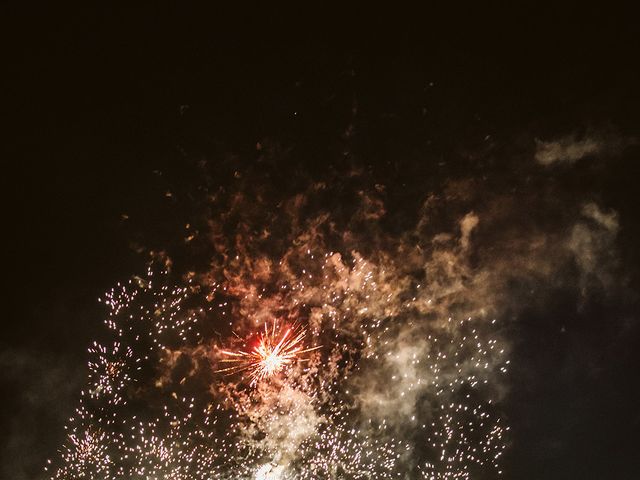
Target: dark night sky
column 98, row 99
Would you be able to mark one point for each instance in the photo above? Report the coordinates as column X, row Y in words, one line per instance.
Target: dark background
column 107, row 109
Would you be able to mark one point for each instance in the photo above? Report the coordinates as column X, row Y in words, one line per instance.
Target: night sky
column 521, row 123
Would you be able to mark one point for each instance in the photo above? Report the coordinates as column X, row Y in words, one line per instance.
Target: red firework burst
column 277, row 347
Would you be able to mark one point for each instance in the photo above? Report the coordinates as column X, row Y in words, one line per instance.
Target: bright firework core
column 276, row 348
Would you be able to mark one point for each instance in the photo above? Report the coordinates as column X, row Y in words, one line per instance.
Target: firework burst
column 406, row 385
column 276, row 348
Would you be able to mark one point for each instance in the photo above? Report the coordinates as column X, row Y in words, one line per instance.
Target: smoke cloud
column 410, row 316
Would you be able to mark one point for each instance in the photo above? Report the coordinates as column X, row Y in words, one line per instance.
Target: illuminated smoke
column 412, row 370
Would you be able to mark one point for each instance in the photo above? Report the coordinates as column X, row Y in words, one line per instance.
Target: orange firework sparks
column 276, row 349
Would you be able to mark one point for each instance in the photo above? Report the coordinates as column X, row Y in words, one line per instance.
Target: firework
column 400, row 390
column 276, row 348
